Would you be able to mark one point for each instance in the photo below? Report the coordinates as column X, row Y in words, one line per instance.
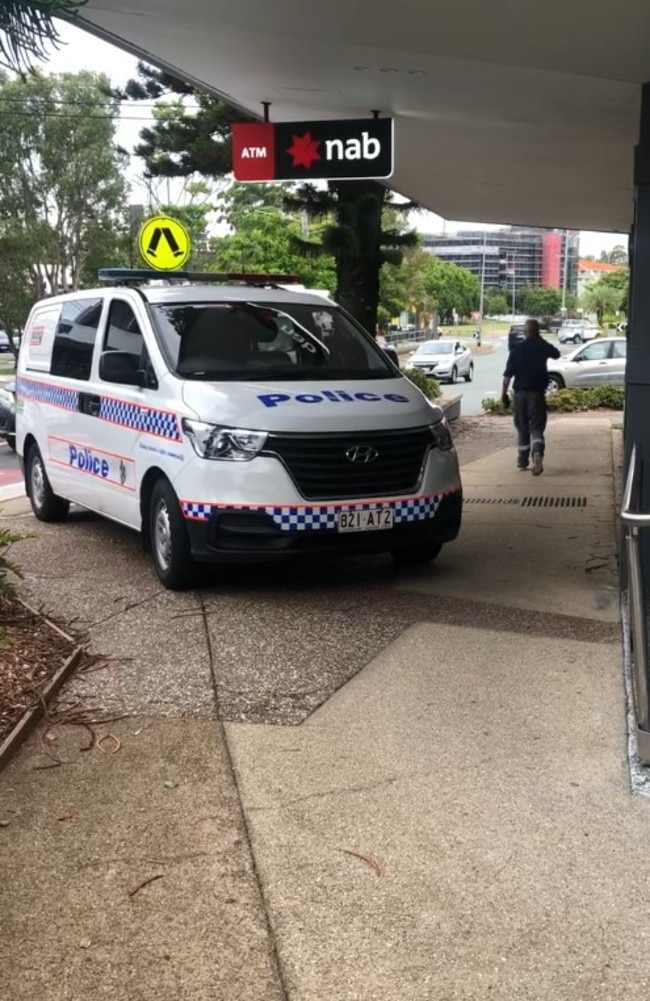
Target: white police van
column 229, row 423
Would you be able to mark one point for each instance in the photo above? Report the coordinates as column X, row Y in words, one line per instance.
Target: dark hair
column 532, row 326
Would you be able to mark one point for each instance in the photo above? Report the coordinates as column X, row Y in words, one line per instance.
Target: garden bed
column 35, row 658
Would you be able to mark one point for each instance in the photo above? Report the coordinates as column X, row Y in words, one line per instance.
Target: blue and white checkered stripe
column 43, row 392
column 321, row 518
column 137, row 418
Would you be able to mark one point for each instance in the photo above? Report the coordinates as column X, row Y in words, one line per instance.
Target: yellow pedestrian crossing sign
column 164, row 243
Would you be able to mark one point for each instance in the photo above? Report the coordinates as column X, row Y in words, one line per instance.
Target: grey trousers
column 530, row 422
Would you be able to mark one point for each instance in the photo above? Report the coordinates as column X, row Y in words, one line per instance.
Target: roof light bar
column 132, row 276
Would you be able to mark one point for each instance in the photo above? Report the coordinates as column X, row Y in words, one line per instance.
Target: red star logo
column 304, row 150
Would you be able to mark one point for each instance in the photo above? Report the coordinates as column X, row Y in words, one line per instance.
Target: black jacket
column 527, row 364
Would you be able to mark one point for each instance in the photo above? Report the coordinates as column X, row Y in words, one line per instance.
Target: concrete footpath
column 351, row 784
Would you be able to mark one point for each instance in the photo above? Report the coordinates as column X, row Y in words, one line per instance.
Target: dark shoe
column 538, row 464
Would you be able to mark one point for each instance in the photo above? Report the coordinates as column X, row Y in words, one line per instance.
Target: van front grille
column 322, row 465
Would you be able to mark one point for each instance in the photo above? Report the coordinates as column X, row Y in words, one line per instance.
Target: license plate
column 368, row 520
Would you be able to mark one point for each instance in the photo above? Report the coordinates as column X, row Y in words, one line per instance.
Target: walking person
column 527, row 366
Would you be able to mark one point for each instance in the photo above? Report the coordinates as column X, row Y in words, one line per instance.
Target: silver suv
column 577, row 332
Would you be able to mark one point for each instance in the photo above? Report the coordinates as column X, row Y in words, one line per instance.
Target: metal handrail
column 635, row 522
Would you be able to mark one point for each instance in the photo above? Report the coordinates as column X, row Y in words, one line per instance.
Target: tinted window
column 74, row 341
column 595, row 352
column 620, row 349
column 123, row 333
column 256, row 341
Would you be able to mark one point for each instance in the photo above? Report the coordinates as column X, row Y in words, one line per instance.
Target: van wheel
column 170, row 544
column 46, row 505
column 469, row 375
column 416, row 556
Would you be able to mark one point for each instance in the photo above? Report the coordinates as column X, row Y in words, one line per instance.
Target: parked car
column 8, row 413
column 516, row 335
column 596, row 364
column 577, row 332
column 5, row 343
column 444, row 360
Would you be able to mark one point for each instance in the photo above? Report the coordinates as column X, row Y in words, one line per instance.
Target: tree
column 538, row 301
column 608, row 295
column 453, row 289
column 194, row 136
column 28, row 29
column 61, row 187
column 617, row 255
column 496, row 303
column 264, row 240
column 355, row 235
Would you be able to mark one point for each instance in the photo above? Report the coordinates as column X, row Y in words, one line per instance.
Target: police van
column 229, row 422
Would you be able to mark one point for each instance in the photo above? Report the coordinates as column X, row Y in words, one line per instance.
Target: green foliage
column 568, row 401
column 27, row 29
column 265, row 241
column 62, row 191
column 608, row 295
column 537, row 301
column 9, row 571
column 594, row 398
column 617, row 255
column 496, row 303
column 430, row 387
column 494, row 405
column 423, row 285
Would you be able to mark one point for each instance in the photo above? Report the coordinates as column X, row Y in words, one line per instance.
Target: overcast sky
column 83, row 51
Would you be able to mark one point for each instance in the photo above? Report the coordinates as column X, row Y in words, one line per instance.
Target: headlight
column 441, row 434
column 7, row 400
column 211, row 441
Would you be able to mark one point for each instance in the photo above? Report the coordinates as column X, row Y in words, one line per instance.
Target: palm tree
column 27, row 28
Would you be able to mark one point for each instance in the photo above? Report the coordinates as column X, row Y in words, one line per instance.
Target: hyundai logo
column 361, row 453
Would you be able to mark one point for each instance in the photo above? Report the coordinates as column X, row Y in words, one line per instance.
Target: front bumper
column 236, row 535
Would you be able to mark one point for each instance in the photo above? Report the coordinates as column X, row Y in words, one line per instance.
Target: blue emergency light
column 133, row 276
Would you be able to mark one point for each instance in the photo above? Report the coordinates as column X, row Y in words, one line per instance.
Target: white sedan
column 445, row 360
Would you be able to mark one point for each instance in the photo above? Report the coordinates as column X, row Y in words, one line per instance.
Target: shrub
column 8, row 570
column 430, row 387
column 567, row 401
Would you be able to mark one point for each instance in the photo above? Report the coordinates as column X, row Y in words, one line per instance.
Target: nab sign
column 292, row 151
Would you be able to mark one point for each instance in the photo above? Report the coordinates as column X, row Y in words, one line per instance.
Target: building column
column 637, row 379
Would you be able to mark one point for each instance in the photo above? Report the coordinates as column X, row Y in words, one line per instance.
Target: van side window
column 74, row 341
column 123, row 334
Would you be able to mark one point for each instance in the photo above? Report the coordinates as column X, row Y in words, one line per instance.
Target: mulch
column 31, row 652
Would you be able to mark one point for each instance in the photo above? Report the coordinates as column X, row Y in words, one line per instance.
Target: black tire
column 470, row 373
column 46, row 505
column 454, row 375
column 577, row 339
column 555, row 382
column 170, row 544
column 417, row 556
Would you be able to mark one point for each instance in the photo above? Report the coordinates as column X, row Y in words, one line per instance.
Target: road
column 488, row 371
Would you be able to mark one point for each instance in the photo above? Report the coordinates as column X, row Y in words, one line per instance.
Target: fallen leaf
column 170, row 784
column 66, row 816
column 85, row 943
column 4, row 823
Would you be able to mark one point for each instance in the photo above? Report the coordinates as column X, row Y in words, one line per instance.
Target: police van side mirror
column 118, row 367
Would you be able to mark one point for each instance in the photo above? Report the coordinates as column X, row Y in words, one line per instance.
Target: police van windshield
column 246, row 340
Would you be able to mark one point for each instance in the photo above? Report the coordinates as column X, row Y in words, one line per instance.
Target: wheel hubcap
column 38, row 483
column 163, row 536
